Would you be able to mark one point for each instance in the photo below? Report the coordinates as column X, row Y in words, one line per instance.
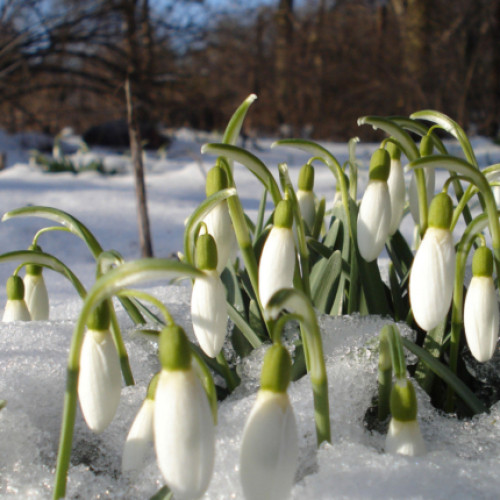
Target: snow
column 464, row 455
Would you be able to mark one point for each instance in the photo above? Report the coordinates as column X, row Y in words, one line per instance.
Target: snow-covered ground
column 463, row 458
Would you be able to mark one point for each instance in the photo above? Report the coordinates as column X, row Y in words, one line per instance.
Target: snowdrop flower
column 217, row 221
column 184, row 432
column 99, row 382
column 208, row 300
column 397, row 188
column 404, row 436
column 374, row 216
column 35, row 291
column 269, row 448
column 430, row 181
column 305, row 195
column 481, row 318
column 140, row 436
column 433, row 269
column 277, row 261
column 15, row 308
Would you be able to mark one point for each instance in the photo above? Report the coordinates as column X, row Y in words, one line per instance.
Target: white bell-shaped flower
column 184, row 432
column 208, row 300
column 404, row 436
column 397, row 188
column 269, row 448
column 374, row 216
column 305, row 195
column 218, row 221
column 36, row 295
column 15, row 307
column 140, row 437
column 99, row 382
column 481, row 316
column 277, row 261
column 433, row 270
column 430, row 182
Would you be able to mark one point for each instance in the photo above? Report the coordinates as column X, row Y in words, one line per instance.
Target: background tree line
column 316, row 66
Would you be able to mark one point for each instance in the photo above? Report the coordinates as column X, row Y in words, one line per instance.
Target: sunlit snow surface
column 464, row 456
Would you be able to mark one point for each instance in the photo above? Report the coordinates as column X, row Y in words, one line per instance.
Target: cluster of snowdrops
column 252, row 278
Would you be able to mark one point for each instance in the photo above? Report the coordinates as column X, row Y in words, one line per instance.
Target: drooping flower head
column 397, row 188
column 277, row 261
column 404, row 436
column 15, row 308
column 184, row 431
column 99, row 382
column 374, row 216
column 305, row 195
column 433, row 269
column 36, row 295
column 481, row 317
column 217, row 221
column 269, row 447
column 208, row 300
column 140, row 436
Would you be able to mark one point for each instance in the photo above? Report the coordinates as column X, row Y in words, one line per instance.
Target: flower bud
column 36, row 295
column 174, row 350
column 397, row 188
column 276, row 369
column 15, row 308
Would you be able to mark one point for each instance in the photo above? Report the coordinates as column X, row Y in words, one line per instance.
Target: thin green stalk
column 230, row 377
column 384, row 376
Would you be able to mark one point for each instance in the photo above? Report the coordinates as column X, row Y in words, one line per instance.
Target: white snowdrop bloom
column 374, row 216
column 139, row 438
column 433, row 270
column 430, row 181
column 208, row 300
column 305, row 195
column 277, row 261
column 269, row 448
column 99, row 382
column 218, row 221
column 404, row 436
column 36, row 296
column 481, row 316
column 15, row 307
column 397, row 188
column 184, row 431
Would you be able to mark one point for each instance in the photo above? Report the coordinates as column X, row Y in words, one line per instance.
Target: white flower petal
column 184, row 434
column 277, row 263
column 269, row 448
column 431, row 278
column 16, row 310
column 397, row 194
column 139, row 438
column 36, row 296
column 481, row 317
column 430, row 183
column 405, row 438
column 307, row 207
column 209, row 313
column 374, row 217
column 99, row 383
column 220, row 226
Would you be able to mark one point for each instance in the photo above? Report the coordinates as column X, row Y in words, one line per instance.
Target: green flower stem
column 230, row 377
column 120, row 346
column 139, row 294
column 104, row 287
column 46, row 230
column 301, row 307
column 463, row 249
column 207, row 381
column 384, row 375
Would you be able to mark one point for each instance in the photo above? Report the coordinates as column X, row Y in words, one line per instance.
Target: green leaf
column 3, row 404
column 318, row 220
column 445, row 374
column 452, row 127
column 260, row 214
column 256, row 166
column 162, row 494
column 243, row 326
column 320, row 249
column 419, row 129
column 45, row 260
column 63, row 218
column 234, row 126
column 324, row 279
column 393, row 129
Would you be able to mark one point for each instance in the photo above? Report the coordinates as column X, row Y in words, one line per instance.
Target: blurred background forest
column 315, row 65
